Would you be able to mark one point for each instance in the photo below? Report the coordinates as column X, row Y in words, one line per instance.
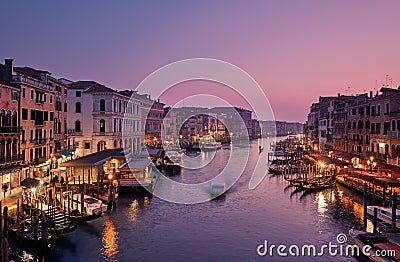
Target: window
column 33, row 114
column 65, row 106
column 77, row 126
column 51, row 99
column 32, row 95
column 102, row 105
column 379, row 110
column 51, row 116
column 24, row 114
column 23, row 92
column 78, row 93
column 387, row 110
column 368, row 108
column 87, row 145
column 46, row 116
column 14, row 96
column 44, row 98
column 78, row 107
column 102, row 126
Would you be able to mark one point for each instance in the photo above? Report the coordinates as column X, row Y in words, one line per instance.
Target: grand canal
column 145, row 228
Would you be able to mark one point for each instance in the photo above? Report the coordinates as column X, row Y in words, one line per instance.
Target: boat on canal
column 31, row 234
column 378, row 244
column 93, row 208
column 173, row 161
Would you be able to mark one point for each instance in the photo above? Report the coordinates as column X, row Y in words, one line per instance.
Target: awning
column 10, row 169
column 32, row 182
column 66, row 153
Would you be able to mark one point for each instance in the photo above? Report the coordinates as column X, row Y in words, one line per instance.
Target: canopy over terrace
column 329, row 160
column 345, row 156
column 382, row 181
column 90, row 166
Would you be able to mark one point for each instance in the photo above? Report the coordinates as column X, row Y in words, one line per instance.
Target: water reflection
column 322, row 205
column 110, row 240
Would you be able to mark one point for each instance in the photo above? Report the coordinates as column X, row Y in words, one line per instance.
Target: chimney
column 43, row 76
column 7, row 70
column 370, row 94
column 338, row 94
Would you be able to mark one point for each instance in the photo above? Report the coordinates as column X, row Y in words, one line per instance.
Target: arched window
column 102, row 105
column 354, row 124
column 349, row 125
column 77, row 126
column 102, row 126
column 14, row 119
column 78, row 107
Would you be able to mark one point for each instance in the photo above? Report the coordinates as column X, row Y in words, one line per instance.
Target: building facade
column 96, row 115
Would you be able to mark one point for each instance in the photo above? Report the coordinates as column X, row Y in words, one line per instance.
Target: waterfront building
column 96, row 113
column 339, row 124
column 364, row 125
column 153, row 123
column 10, row 158
column 42, row 115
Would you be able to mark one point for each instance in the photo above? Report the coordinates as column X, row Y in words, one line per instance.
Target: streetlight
column 371, row 164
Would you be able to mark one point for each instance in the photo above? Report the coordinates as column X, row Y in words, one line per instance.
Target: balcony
column 394, row 134
column 32, row 82
column 9, row 129
column 39, row 102
column 38, row 141
column 107, row 134
column 41, row 141
column 10, row 159
column 57, row 136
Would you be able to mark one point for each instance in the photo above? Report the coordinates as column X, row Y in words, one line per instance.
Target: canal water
column 145, row 228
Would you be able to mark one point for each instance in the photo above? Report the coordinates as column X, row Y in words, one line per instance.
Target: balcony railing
column 32, row 82
column 10, row 159
column 394, row 134
column 39, row 102
column 107, row 134
column 9, row 129
column 57, row 136
column 38, row 141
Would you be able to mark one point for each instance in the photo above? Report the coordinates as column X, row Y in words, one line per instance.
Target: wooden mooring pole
column 365, row 206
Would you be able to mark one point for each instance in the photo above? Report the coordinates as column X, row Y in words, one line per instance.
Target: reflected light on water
column 321, row 204
column 110, row 240
column 133, row 210
column 358, row 211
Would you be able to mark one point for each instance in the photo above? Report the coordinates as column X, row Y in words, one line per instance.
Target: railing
column 40, row 102
column 38, row 141
column 39, row 123
column 9, row 129
column 57, row 136
column 41, row 141
column 31, row 81
column 394, row 134
column 107, row 134
column 10, row 159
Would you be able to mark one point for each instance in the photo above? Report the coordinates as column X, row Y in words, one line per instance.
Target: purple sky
column 296, row 50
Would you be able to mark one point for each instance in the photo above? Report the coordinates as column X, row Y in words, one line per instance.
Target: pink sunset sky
column 295, row 50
